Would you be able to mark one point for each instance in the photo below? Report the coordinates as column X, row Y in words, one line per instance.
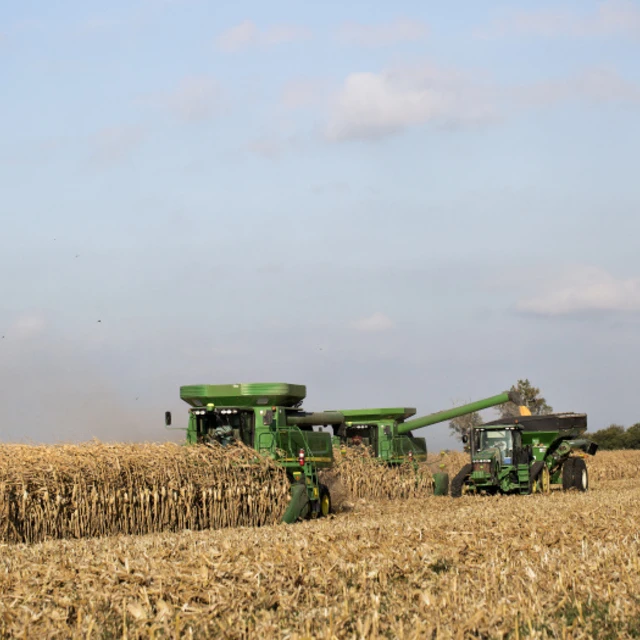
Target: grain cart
column 268, row 417
column 527, row 454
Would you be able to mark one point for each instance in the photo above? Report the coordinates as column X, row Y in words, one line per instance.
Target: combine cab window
column 235, row 424
column 363, row 434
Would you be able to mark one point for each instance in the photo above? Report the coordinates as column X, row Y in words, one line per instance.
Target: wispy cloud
column 193, row 99
column 373, row 105
column 582, row 289
column 196, row 98
column 247, row 34
column 113, row 144
column 27, row 326
column 380, row 35
column 611, row 18
column 378, row 321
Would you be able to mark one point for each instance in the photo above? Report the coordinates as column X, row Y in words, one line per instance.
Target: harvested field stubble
column 566, row 565
column 73, row 491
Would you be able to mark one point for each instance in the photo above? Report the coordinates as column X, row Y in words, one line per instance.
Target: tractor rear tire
column 458, row 482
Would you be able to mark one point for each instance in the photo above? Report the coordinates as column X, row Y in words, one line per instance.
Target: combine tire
column 574, row 475
column 325, row 501
column 458, row 482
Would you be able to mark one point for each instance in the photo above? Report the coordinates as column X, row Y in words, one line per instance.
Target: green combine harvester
column 267, row 417
column 526, row 454
column 389, row 433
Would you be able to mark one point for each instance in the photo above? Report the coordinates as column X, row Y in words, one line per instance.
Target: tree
column 631, row 438
column 462, row 425
column 531, row 398
column 613, row 437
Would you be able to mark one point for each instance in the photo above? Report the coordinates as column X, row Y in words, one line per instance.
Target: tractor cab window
column 501, row 440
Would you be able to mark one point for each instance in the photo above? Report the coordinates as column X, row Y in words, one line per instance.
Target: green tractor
column 268, row 417
column 526, row 454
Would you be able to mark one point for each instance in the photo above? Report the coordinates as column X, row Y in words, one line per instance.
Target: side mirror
column 465, row 438
column 167, row 418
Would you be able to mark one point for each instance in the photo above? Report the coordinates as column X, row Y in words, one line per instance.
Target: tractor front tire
column 458, row 482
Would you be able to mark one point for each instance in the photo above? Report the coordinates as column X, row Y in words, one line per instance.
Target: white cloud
column 375, row 322
column 247, row 34
column 401, row 30
column 610, row 18
column 584, row 288
column 372, row 105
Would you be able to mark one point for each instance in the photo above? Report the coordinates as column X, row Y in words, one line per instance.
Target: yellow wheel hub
column 543, row 483
column 325, row 505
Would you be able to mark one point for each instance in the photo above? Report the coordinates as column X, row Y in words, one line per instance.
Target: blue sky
column 391, row 203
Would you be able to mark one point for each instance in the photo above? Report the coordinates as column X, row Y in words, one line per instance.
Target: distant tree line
column 616, row 437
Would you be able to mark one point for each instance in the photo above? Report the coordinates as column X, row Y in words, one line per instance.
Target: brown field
column 565, row 565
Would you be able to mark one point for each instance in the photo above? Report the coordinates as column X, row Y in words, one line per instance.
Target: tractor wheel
column 569, row 474
column 457, row 483
column 541, row 478
column 325, row 501
column 580, row 475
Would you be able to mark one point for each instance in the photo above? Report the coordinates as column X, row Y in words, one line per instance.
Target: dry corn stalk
column 93, row 489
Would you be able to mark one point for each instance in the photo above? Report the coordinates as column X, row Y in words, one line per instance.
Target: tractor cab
column 504, row 440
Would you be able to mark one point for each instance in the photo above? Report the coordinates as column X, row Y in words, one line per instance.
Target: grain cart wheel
column 457, row 483
column 580, row 475
column 325, row 501
column 568, row 478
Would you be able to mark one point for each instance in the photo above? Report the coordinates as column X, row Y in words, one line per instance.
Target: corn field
column 93, row 489
column 564, row 565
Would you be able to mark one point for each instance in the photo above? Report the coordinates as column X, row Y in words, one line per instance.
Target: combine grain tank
column 268, row 417
column 527, row 454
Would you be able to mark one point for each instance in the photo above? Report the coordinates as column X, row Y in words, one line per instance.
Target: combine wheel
column 325, row 501
column 458, row 483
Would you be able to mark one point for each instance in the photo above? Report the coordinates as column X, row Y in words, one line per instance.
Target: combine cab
column 268, row 417
column 527, row 454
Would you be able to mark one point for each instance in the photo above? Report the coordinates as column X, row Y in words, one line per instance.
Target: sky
column 395, row 204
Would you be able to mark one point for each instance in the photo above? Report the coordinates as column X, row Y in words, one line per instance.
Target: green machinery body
column 389, row 432
column 268, row 418
column 527, row 454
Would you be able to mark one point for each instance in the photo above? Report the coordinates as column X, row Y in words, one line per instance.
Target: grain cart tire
column 541, row 477
column 440, row 484
column 325, row 501
column 458, row 482
column 568, row 474
column 580, row 475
